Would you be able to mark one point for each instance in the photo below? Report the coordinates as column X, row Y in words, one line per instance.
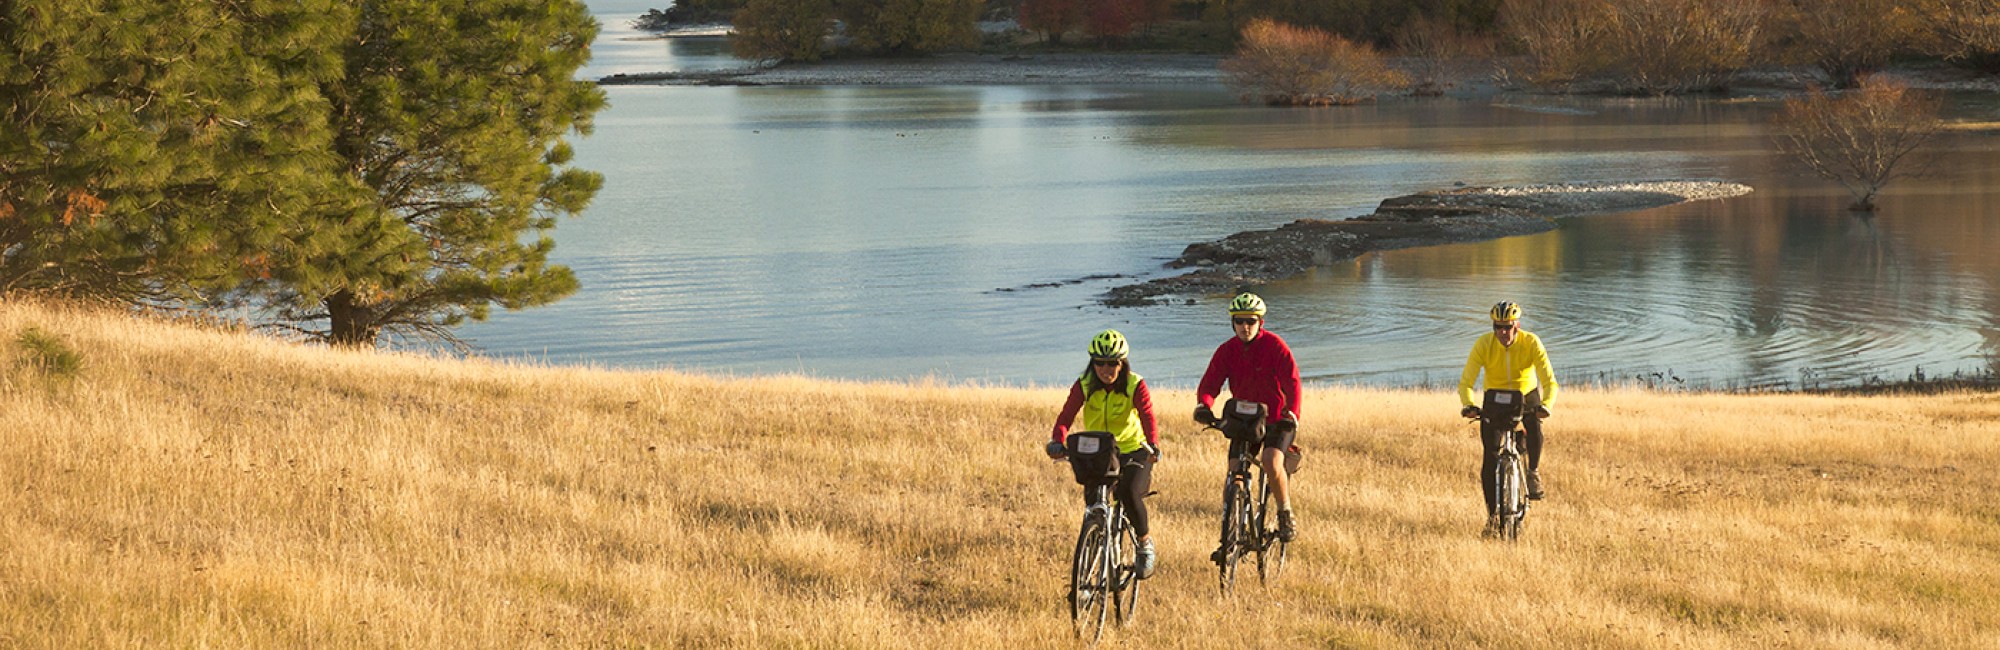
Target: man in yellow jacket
column 1512, row 360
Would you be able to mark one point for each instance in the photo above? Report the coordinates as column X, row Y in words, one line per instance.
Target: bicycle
column 1104, row 572
column 1247, row 530
column 1510, row 473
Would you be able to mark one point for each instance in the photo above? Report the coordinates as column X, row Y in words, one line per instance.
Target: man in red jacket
column 1258, row 367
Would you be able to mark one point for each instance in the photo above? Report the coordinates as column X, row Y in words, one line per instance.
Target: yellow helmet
column 1505, row 311
column 1246, row 304
column 1109, row 344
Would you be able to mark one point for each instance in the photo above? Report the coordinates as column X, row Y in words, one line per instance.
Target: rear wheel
column 1125, row 572
column 1087, row 597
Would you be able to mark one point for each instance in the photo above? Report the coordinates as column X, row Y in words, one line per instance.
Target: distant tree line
column 348, row 169
column 1637, row 46
column 1667, row 46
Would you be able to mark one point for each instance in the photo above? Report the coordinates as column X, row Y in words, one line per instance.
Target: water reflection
column 864, row 232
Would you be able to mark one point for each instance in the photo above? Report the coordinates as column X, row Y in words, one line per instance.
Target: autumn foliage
column 1845, row 39
column 1104, row 19
column 1964, row 30
column 1435, row 50
column 1639, row 46
column 1279, row 64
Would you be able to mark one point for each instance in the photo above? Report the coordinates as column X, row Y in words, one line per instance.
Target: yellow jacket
column 1522, row 366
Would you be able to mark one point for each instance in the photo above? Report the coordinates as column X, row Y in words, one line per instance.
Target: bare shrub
column 1668, row 46
column 1436, row 50
column 1963, row 30
column 1560, row 40
column 1857, row 138
column 1283, row 65
column 1845, row 39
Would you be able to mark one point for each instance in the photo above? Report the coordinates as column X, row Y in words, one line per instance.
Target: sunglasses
column 1243, row 321
column 1106, row 363
column 1502, row 327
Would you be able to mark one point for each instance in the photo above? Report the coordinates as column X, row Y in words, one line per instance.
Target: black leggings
column 1135, row 479
column 1489, row 435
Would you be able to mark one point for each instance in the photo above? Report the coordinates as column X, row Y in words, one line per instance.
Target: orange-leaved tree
column 1283, row 65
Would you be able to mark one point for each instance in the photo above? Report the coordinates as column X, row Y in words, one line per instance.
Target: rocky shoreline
column 1428, row 218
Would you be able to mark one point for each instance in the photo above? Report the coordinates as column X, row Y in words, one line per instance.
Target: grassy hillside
column 191, row 487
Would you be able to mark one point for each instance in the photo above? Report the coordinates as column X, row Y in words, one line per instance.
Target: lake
column 899, row 232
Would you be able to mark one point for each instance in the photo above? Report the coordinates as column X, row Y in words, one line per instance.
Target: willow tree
column 1861, row 138
column 453, row 116
column 159, row 150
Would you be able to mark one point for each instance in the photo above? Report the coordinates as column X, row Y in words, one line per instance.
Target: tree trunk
column 351, row 324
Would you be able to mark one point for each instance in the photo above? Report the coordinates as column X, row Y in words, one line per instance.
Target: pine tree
column 156, row 150
column 452, row 115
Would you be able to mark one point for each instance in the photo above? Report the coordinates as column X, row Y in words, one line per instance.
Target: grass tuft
column 48, row 355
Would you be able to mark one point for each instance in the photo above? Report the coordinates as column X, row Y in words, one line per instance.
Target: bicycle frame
column 1509, row 473
column 1245, row 517
column 1102, row 577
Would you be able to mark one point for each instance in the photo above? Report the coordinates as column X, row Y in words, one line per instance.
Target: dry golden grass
column 201, row 488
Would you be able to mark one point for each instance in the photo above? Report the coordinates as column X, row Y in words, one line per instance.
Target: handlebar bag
column 1244, row 420
column 1504, row 405
column 1093, row 456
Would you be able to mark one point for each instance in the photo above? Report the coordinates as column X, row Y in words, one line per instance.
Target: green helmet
column 1246, row 304
column 1109, row 344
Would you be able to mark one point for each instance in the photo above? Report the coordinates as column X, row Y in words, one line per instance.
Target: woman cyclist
column 1113, row 398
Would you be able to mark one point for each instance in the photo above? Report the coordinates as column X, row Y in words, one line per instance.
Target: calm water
column 865, row 232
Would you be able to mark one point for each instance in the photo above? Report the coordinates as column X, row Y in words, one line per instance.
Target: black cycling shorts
column 1279, row 438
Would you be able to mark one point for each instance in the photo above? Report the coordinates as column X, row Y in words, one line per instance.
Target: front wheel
column 1235, row 527
column 1125, row 573
column 1087, row 588
column 1270, row 548
column 1513, row 496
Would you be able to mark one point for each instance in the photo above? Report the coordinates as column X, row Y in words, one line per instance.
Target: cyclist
column 1258, row 367
column 1512, row 359
column 1113, row 398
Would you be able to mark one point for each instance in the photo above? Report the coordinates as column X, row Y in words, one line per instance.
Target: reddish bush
column 1284, row 65
column 1052, row 18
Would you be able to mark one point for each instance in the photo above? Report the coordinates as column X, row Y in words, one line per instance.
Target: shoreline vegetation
column 1437, row 60
column 1056, row 67
column 184, row 486
column 1313, row 54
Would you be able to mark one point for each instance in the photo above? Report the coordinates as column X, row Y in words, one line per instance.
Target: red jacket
column 1259, row 371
